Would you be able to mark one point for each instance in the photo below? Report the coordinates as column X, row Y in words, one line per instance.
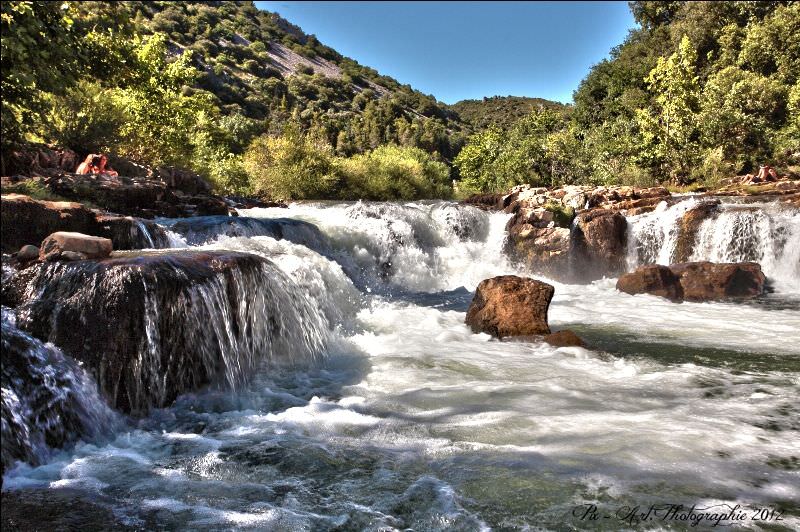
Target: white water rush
column 410, row 421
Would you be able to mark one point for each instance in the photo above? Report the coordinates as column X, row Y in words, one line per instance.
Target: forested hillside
column 697, row 92
column 500, row 111
column 700, row 91
column 194, row 83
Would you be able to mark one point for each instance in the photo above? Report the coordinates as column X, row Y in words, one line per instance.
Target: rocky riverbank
column 579, row 233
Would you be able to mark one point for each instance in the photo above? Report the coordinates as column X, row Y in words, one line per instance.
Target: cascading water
column 411, row 421
column 48, row 400
column 763, row 233
column 767, row 233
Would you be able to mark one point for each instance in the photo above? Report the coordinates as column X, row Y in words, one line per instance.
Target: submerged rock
column 565, row 338
column 510, row 306
column 696, row 281
column 47, row 400
column 151, row 326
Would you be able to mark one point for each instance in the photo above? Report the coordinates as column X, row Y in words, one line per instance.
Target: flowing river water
column 406, row 419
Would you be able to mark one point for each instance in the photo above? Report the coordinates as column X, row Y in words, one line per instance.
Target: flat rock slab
column 74, row 246
column 509, row 305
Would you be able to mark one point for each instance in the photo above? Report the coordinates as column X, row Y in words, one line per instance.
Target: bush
column 394, row 172
column 85, row 119
column 292, row 166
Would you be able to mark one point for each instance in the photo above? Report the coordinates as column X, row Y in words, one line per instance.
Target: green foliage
column 85, row 118
column 394, row 172
column 669, row 127
column 40, row 53
column 739, row 109
column 292, row 166
column 562, row 215
column 500, row 111
column 159, row 119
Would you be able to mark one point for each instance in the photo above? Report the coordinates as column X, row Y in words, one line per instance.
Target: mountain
column 260, row 65
column 500, row 111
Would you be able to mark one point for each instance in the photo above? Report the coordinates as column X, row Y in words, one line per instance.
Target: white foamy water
column 411, row 421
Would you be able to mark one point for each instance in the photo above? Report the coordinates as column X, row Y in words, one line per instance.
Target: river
column 407, row 420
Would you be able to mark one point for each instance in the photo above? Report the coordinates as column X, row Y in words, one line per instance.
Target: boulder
column 652, row 279
column 598, row 246
column 565, row 338
column 152, row 325
column 28, row 221
column 510, row 306
column 708, row 281
column 696, row 281
column 27, row 253
column 74, row 246
column 540, row 250
column 689, row 226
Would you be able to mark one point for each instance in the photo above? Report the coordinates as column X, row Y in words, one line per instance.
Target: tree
column 740, row 111
column 40, row 53
column 669, row 129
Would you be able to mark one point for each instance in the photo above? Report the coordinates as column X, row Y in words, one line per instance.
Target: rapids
column 411, row 421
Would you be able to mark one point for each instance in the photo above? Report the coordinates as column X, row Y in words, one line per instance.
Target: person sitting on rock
column 104, row 168
column 88, row 165
column 773, row 175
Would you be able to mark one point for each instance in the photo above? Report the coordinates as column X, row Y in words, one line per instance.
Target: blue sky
column 460, row 50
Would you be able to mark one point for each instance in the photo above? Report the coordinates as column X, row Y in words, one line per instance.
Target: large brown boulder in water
column 510, row 306
column 708, row 281
column 696, row 281
column 652, row 279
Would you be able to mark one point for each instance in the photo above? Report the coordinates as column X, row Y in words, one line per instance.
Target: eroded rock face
column 696, row 281
column 542, row 250
column 131, row 196
column 153, row 325
column 598, row 245
column 689, row 226
column 510, row 306
column 75, row 246
column 28, row 221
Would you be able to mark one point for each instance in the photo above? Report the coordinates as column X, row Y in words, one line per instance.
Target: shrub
column 394, row 172
column 292, row 166
column 85, row 119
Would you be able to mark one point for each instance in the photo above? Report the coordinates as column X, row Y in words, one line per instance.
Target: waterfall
column 204, row 317
column 652, row 237
column 199, row 230
column 416, row 247
column 145, row 234
column 48, row 400
column 763, row 233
